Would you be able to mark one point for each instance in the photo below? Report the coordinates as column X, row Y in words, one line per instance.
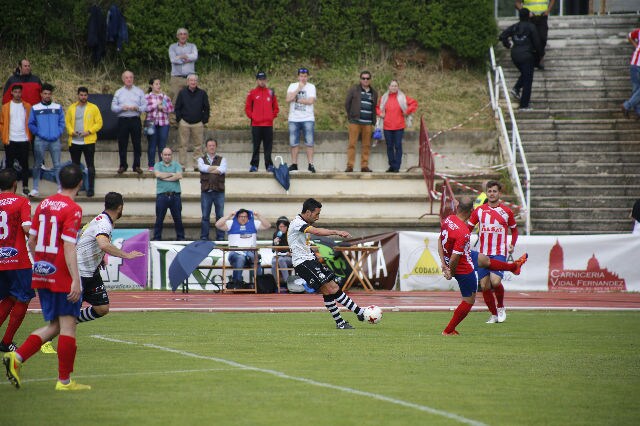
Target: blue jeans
column 634, row 101
column 157, row 141
column 173, row 203
column 208, row 199
column 40, row 146
column 240, row 260
column 298, row 127
column 394, row 147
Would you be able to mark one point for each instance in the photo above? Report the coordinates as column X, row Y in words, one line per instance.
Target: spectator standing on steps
column 262, row 108
column 360, row 106
column 523, row 40
column 168, row 174
column 31, row 84
column 633, row 103
column 395, row 110
column 301, row 96
column 539, row 11
column 635, row 215
column 183, row 57
column 15, row 134
column 159, row 106
column 46, row 123
column 128, row 103
column 192, row 113
column 213, row 169
column 83, row 120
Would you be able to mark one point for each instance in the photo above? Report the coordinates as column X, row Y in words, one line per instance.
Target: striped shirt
column 635, row 58
column 493, row 223
column 366, row 107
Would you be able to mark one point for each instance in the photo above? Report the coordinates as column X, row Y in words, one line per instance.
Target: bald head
column 465, row 205
column 127, row 78
column 167, row 155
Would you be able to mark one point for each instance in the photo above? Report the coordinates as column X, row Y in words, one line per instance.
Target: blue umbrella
column 187, row 260
column 281, row 173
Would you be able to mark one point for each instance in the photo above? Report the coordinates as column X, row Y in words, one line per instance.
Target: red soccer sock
column 498, row 265
column 458, row 315
column 499, row 295
column 29, row 347
column 487, row 295
column 15, row 320
column 5, row 307
column 66, row 356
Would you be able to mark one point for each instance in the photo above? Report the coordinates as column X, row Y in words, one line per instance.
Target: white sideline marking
column 282, row 375
column 140, row 373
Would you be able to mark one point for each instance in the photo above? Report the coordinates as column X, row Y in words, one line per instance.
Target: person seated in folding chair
column 242, row 227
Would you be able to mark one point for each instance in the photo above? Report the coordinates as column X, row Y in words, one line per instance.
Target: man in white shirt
column 301, row 96
column 243, row 227
column 183, row 57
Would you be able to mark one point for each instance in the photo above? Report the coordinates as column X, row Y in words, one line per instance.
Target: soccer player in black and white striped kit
column 318, row 276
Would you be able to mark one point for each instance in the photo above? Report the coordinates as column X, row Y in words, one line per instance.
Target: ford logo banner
column 43, row 268
column 6, row 252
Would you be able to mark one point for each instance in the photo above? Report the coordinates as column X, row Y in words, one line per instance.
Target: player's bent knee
column 101, row 310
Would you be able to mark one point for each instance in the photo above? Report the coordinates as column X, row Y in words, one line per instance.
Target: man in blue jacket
column 46, row 123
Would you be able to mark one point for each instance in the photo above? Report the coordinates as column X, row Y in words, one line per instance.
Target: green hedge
column 260, row 33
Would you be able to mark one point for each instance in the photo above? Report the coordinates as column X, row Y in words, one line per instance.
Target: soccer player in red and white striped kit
column 494, row 220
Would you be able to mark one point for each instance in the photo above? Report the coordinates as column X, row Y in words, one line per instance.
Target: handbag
column 149, row 127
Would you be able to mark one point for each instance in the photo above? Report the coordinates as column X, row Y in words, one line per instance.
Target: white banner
column 579, row 263
column 163, row 253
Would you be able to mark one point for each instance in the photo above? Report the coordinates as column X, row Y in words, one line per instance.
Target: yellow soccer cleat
column 47, row 348
column 11, row 363
column 71, row 386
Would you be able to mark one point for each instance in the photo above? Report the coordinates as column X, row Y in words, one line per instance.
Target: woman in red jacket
column 395, row 109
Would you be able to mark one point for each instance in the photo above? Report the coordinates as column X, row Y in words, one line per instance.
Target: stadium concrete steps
column 362, row 203
column 583, row 154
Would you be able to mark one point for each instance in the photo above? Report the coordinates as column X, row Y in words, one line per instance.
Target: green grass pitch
column 168, row 368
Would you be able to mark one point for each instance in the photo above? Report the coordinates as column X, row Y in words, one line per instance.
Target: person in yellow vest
column 83, row 121
column 540, row 10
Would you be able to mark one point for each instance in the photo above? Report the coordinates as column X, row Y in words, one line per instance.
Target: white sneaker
column 493, row 319
column 502, row 314
column 34, row 193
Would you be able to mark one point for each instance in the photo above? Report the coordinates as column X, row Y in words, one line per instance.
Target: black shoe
column 121, row 170
column 361, row 317
column 293, row 167
column 311, row 168
column 138, row 170
column 344, row 326
column 25, row 190
column 390, row 170
column 231, row 285
column 90, row 193
column 625, row 112
column 11, row 347
column 365, row 170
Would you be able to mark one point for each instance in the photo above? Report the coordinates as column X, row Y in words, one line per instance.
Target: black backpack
column 267, row 284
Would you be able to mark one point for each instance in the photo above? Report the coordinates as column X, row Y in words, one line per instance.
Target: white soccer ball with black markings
column 372, row 314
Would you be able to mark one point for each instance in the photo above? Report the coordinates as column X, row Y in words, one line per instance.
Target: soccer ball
column 372, row 314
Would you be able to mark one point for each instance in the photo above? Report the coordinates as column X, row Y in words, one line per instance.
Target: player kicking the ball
column 318, row 276
column 456, row 259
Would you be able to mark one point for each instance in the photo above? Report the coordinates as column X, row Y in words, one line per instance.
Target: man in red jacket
column 262, row 108
column 31, row 84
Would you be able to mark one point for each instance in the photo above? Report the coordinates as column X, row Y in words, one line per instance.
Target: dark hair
column 8, row 177
column 83, row 89
column 47, row 86
column 365, row 72
column 16, row 86
column 282, row 219
column 465, row 204
column 493, row 183
column 113, row 200
column 70, row 176
column 151, row 80
column 240, row 211
column 210, row 139
column 310, row 204
column 524, row 14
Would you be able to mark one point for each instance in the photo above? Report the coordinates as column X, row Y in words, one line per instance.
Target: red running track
column 124, row 301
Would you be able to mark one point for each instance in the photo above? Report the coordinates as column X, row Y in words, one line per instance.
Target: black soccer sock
column 330, row 303
column 348, row 303
column 88, row 314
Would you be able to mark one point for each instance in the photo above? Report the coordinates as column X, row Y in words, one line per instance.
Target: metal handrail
column 498, row 85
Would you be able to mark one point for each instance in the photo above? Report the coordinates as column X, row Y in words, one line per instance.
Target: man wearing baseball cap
column 262, row 108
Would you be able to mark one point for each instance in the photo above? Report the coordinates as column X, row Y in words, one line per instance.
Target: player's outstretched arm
column 106, row 246
column 323, row 232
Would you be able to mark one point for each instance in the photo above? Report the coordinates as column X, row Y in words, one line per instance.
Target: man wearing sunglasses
column 361, row 111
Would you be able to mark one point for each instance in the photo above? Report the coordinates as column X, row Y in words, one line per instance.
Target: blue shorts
column 56, row 305
column 468, row 284
column 17, row 283
column 298, row 127
column 483, row 272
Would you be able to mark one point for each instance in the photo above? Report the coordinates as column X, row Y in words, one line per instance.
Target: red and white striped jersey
column 635, row 58
column 493, row 223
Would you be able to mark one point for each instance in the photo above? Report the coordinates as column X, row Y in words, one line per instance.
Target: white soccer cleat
column 493, row 319
column 502, row 314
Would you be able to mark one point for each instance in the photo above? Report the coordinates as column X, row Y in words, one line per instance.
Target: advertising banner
column 381, row 267
column 580, row 263
column 127, row 274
